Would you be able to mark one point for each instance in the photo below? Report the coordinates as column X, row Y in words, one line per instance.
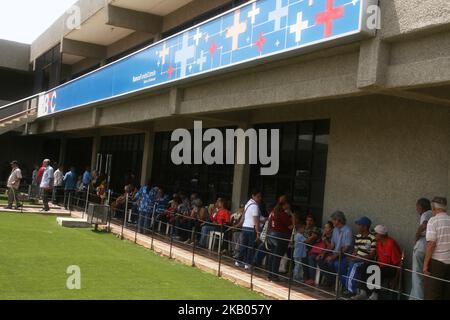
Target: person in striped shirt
column 437, row 256
column 365, row 246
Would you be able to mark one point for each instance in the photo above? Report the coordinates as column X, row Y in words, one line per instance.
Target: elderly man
column 47, row 184
column 423, row 209
column 341, row 243
column 437, row 256
column 389, row 257
column 13, row 186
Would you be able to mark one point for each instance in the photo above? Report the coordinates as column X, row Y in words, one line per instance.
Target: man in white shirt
column 437, row 257
column 13, row 186
column 250, row 229
column 59, row 185
column 47, row 184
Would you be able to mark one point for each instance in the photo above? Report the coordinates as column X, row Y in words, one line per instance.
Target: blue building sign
column 256, row 31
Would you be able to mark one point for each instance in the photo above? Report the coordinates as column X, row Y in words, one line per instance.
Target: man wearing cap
column 47, row 184
column 437, row 256
column 389, row 256
column 365, row 248
column 13, row 185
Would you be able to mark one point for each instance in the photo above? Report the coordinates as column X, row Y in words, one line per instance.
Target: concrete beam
column 147, row 159
column 175, row 99
column 373, row 63
column 134, row 20
column 83, row 49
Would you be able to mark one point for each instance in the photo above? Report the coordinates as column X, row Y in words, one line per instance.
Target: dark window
column 303, row 163
column 127, row 152
column 48, row 70
column 210, row 181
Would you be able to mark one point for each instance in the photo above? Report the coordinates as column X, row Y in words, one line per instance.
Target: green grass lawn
column 35, row 253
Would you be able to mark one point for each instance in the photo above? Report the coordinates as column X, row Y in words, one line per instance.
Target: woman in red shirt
column 222, row 217
column 280, row 224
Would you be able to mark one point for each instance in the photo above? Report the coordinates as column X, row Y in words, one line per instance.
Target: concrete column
column 241, row 179
column 62, row 151
column 147, row 159
column 96, row 140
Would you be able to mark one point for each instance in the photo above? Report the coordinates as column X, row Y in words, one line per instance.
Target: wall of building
column 14, row 55
column 384, row 154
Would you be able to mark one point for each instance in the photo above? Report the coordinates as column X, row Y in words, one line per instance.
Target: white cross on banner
column 299, row 26
column 237, row 29
column 253, row 13
column 184, row 54
column 164, row 53
column 278, row 14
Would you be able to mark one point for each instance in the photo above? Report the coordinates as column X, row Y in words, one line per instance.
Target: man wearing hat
column 437, row 256
column 365, row 247
column 389, row 256
column 13, row 185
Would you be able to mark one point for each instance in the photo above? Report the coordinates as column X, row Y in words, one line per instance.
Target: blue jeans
column 248, row 238
column 206, row 229
column 309, row 272
column 278, row 243
column 417, row 292
column 332, row 267
column 298, row 269
column 143, row 222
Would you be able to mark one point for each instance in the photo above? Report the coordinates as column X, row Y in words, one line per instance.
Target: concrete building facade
column 378, row 108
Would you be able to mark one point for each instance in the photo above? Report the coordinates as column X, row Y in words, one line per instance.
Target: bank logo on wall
column 255, row 31
column 47, row 103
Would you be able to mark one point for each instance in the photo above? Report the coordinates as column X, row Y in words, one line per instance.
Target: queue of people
column 256, row 238
column 263, row 238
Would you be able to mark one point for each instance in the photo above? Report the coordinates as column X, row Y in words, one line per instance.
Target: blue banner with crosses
column 250, row 32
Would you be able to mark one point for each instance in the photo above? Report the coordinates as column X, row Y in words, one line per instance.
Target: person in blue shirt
column 87, row 177
column 70, row 185
column 145, row 197
column 341, row 242
column 299, row 251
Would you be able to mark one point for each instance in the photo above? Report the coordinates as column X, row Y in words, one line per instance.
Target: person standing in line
column 59, row 184
column 423, row 208
column 87, row 177
column 250, row 223
column 47, row 184
column 70, row 185
column 13, row 186
column 437, row 256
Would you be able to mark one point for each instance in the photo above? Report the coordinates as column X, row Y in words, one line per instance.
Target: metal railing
column 26, row 107
column 185, row 232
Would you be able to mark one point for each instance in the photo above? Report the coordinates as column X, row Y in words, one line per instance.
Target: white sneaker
column 246, row 267
column 373, row 296
column 237, row 264
column 360, row 296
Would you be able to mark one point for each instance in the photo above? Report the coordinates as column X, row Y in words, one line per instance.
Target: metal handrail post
column 194, row 231
column 124, row 215
column 338, row 276
column 222, row 237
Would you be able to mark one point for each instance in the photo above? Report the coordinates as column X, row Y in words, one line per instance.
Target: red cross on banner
column 329, row 16
column 261, row 42
column 213, row 48
column 170, row 71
